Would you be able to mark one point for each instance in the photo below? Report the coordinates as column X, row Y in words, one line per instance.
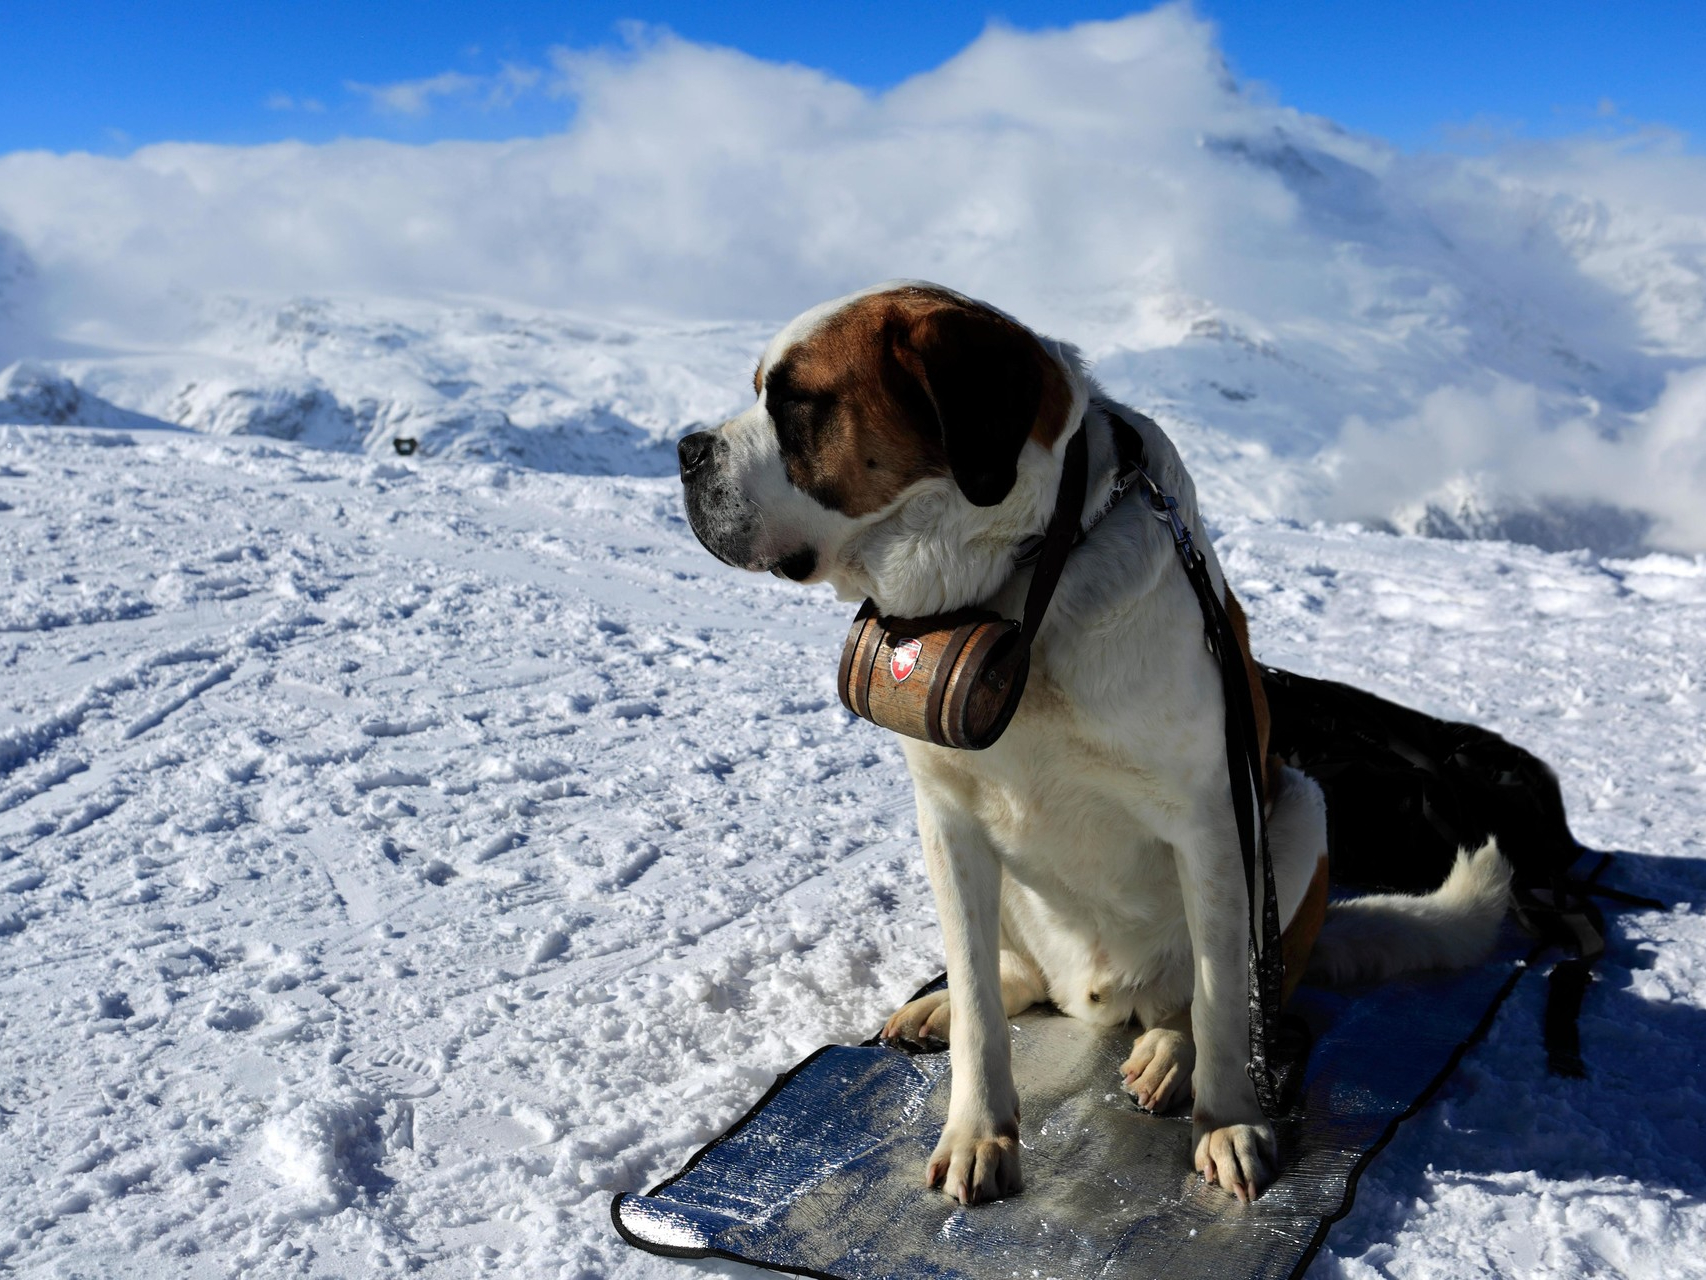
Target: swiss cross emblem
column 904, row 660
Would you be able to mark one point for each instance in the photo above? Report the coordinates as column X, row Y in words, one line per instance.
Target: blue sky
column 109, row 75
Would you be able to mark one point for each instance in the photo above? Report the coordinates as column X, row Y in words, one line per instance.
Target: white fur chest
column 1085, row 834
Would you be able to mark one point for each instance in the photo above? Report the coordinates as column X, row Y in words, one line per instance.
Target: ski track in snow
column 397, row 859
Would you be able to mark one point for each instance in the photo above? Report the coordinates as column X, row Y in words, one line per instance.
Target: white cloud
column 286, row 102
column 512, row 81
column 19, row 298
column 414, row 97
column 1503, row 439
column 1231, row 261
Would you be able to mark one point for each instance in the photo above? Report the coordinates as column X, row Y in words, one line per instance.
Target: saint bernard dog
column 904, row 441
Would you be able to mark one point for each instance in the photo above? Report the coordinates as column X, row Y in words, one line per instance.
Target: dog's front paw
column 1158, row 1073
column 977, row 1163
column 920, row 1026
column 1241, row 1158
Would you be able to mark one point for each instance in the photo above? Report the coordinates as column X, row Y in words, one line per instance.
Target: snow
column 398, row 857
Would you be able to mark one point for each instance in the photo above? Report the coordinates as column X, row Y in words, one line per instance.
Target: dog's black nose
column 694, row 452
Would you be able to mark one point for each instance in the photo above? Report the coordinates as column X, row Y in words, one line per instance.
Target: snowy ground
column 396, row 859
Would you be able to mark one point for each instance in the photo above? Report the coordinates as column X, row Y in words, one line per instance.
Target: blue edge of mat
column 845, row 1134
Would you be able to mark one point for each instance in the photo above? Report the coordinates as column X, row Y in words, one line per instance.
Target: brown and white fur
column 904, row 440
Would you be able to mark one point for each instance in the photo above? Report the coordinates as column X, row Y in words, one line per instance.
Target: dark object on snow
column 824, row 1177
column 405, row 445
column 1406, row 791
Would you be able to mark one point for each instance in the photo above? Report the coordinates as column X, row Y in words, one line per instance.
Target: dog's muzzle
column 722, row 520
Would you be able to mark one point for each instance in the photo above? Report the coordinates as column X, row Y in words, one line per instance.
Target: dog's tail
column 1386, row 934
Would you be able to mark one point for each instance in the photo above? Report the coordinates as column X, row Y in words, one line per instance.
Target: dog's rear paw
column 1158, row 1073
column 1239, row 1158
column 920, row 1026
column 977, row 1167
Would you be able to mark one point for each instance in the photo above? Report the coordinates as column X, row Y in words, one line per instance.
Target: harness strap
column 1275, row 1080
column 1062, row 535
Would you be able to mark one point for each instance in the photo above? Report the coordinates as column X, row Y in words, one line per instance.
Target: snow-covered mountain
column 32, row 394
column 539, row 389
column 1260, row 417
column 1509, row 344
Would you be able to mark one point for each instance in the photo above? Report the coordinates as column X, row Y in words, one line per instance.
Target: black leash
column 1566, row 915
column 1275, row 1079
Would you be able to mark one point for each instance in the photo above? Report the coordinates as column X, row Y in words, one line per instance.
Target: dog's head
column 866, row 404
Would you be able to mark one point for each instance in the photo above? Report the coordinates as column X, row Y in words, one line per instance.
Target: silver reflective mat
column 825, row 1175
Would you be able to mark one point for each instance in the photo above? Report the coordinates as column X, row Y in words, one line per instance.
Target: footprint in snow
column 397, row 1073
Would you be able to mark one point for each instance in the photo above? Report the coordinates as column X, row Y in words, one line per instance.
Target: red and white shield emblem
column 904, row 660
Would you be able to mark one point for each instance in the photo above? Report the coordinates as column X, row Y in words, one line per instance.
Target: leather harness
column 1275, row 1080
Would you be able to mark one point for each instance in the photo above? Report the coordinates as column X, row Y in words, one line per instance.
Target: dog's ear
column 983, row 380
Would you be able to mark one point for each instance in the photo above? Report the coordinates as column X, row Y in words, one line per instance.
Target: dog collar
column 1129, row 474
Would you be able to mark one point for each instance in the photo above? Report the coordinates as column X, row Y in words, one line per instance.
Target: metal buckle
column 1031, row 549
column 1166, row 509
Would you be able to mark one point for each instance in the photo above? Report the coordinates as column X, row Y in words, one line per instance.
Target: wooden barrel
column 954, row 679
